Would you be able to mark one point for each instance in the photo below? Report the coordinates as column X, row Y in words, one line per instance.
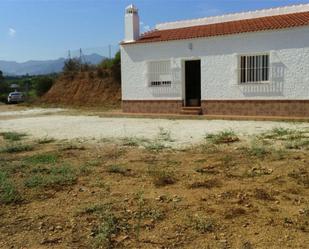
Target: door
column 193, row 83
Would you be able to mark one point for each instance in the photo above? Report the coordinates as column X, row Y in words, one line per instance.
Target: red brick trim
column 152, row 106
column 284, row 108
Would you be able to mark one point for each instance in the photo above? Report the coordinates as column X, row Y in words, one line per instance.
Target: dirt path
column 95, row 128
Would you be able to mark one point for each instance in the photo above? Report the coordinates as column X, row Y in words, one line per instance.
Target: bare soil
column 84, row 89
column 227, row 195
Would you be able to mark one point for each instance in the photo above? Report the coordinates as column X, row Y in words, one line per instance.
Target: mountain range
column 36, row 67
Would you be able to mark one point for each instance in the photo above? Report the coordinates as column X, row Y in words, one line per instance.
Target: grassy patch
column 155, row 146
column 57, row 176
column 72, row 146
column 223, row 137
column 258, row 150
column 279, row 133
column 48, row 158
column 133, row 141
column 17, row 147
column 297, row 145
column 8, row 192
column 13, row 136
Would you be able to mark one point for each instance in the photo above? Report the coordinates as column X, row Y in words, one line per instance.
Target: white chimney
column 131, row 24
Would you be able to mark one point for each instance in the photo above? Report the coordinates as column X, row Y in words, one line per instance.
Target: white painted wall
column 289, row 58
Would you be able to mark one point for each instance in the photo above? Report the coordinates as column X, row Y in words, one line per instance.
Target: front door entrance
column 193, row 83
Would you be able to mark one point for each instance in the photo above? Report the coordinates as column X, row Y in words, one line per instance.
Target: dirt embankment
column 84, row 89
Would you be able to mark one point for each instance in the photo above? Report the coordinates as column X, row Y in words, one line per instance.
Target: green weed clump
column 223, row 137
column 8, row 192
column 13, row 136
column 63, row 175
column 17, row 147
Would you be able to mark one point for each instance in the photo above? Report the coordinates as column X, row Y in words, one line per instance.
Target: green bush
column 71, row 65
column 43, row 84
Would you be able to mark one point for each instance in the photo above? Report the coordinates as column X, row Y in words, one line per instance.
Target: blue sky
column 47, row 29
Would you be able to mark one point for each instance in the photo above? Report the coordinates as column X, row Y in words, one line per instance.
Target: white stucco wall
column 289, row 58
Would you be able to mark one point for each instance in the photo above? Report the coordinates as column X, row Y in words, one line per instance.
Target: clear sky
column 47, row 29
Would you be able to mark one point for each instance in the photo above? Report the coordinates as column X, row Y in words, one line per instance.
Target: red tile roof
column 226, row 28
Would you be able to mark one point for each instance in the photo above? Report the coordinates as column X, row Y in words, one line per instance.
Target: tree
column 1, row 76
column 43, row 84
column 71, row 65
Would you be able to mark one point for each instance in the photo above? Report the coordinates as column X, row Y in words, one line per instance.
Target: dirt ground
column 69, row 124
column 228, row 191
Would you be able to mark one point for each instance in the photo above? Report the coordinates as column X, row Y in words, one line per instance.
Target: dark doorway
column 193, row 83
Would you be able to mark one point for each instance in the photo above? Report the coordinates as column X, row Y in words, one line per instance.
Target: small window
column 254, row 68
column 159, row 73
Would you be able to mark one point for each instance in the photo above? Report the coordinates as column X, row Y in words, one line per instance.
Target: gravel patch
column 93, row 128
column 32, row 111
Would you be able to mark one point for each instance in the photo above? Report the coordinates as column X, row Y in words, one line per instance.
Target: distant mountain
column 41, row 67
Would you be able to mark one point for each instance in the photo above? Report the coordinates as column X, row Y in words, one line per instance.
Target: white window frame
column 257, row 73
column 158, row 76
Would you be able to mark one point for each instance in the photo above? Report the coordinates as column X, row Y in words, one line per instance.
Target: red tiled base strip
column 282, row 108
column 152, row 106
column 265, row 108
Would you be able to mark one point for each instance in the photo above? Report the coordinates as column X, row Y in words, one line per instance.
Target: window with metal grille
column 160, row 83
column 159, row 73
column 254, row 68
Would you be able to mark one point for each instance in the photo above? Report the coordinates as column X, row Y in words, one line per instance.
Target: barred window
column 160, row 83
column 159, row 73
column 254, row 68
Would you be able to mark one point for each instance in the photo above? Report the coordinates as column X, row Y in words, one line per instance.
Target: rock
column 50, row 240
column 161, row 198
column 59, row 228
column 81, row 189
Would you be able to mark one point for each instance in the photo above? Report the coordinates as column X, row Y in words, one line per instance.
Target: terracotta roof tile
column 227, row 28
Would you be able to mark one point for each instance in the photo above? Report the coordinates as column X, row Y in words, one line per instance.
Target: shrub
column 71, row 65
column 202, row 224
column 106, row 230
column 43, row 84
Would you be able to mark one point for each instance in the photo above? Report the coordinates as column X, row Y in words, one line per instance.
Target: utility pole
column 110, row 51
column 69, row 54
column 80, row 55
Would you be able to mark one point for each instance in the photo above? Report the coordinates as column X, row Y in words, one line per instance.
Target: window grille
column 254, row 68
column 159, row 73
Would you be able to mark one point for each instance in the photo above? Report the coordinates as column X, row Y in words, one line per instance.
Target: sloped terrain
column 84, row 89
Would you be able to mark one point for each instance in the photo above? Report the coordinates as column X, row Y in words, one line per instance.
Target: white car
column 15, row 97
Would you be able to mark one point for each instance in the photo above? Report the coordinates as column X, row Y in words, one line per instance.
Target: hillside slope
column 85, row 89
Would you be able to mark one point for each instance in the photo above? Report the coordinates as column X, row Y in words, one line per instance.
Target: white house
column 251, row 63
